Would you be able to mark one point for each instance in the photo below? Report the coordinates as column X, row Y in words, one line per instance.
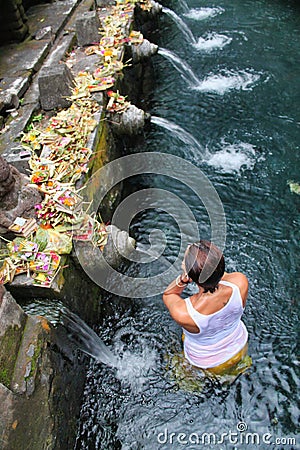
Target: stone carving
column 130, row 122
column 143, row 51
column 17, row 198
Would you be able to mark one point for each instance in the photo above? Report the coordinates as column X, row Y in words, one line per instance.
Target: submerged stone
column 194, row 379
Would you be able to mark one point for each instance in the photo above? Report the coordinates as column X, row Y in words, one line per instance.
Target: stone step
column 20, row 62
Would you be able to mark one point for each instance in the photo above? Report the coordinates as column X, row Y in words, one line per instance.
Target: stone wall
column 28, row 3
column 41, row 377
column 38, row 390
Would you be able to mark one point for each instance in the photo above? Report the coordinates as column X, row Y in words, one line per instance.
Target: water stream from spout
column 217, row 83
column 181, row 25
column 197, row 150
column 184, row 5
column 183, row 68
column 88, row 341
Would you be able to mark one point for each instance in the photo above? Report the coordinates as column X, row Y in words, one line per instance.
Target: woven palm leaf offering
column 117, row 103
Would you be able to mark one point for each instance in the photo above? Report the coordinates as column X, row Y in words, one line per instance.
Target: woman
column 215, row 338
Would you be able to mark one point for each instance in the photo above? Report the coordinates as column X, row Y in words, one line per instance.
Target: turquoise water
column 246, row 114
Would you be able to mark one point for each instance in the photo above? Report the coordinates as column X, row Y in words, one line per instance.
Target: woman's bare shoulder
column 240, row 280
column 236, row 278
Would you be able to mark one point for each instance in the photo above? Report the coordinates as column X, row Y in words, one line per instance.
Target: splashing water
column 221, row 83
column 147, row 254
column 203, row 13
column 181, row 25
column 227, row 81
column 211, row 42
column 233, row 157
column 88, row 341
column 132, row 367
column 182, row 67
column 181, row 134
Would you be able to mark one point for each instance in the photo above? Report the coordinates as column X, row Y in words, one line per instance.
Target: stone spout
column 100, row 267
column 119, row 246
column 143, row 51
column 156, row 8
column 129, row 122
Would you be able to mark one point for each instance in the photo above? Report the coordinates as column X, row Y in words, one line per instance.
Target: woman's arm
column 172, row 296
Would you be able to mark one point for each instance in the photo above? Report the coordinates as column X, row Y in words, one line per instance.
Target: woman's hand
column 172, row 297
column 184, row 278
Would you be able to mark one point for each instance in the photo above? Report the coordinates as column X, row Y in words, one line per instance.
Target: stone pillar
column 7, row 180
column 55, row 85
column 13, row 26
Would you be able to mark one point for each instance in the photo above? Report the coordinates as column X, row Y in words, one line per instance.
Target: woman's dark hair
column 200, row 254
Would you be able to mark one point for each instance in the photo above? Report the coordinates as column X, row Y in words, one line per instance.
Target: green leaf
column 294, row 187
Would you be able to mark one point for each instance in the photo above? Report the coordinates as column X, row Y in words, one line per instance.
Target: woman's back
column 216, row 326
column 222, row 333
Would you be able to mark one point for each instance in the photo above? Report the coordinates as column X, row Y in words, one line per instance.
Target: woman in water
column 214, row 336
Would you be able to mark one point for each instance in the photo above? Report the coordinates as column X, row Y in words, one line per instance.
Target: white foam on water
column 232, row 158
column 203, row 13
column 211, row 42
column 227, row 81
column 133, row 368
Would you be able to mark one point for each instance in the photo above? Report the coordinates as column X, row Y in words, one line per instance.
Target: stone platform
column 52, row 28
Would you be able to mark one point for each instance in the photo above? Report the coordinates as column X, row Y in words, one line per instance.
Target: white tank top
column 222, row 334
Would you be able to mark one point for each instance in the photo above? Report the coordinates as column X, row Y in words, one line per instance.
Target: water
column 203, row 13
column 218, row 83
column 181, row 25
column 182, row 67
column 44, row 307
column 233, row 157
column 227, row 80
column 252, row 139
column 88, row 341
column 184, row 5
column 196, row 150
column 213, row 41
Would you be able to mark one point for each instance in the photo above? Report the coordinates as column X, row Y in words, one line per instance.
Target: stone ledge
column 54, row 15
column 42, row 408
